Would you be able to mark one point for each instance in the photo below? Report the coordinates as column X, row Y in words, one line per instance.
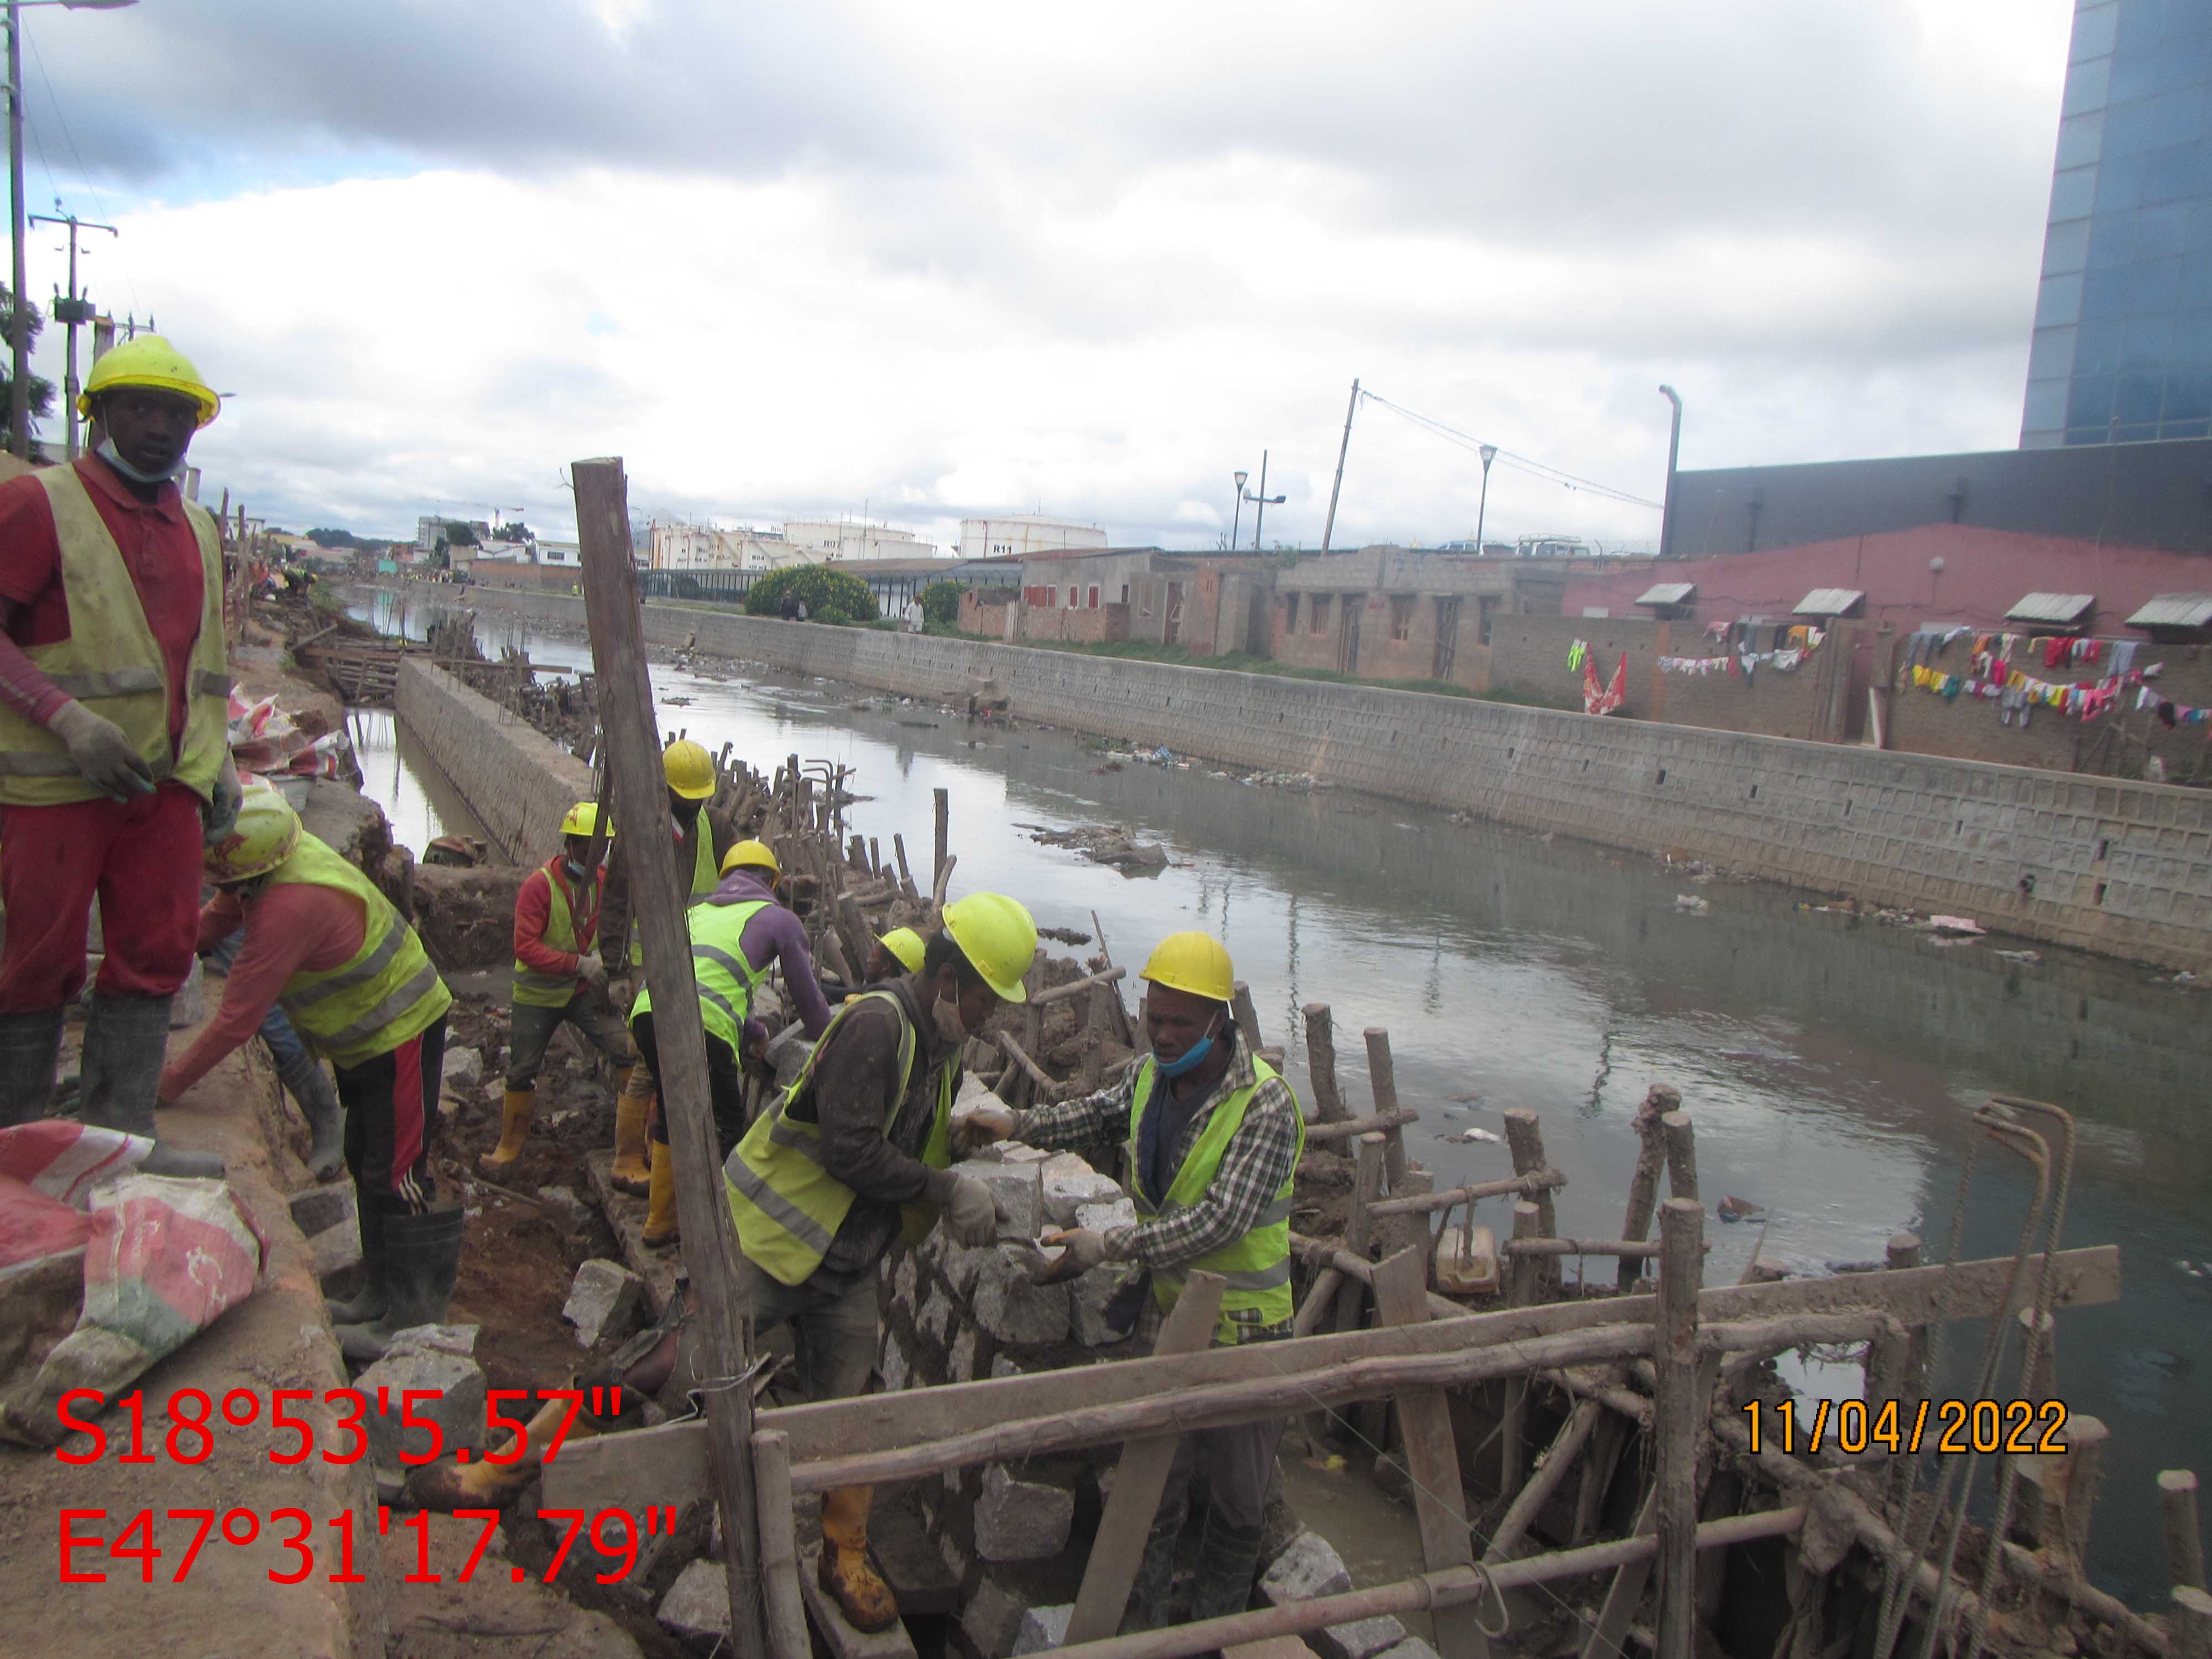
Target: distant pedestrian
column 801, row 612
column 789, row 608
column 914, row 615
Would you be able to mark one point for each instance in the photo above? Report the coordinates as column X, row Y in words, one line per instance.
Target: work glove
column 220, row 814
column 971, row 1215
column 979, row 1128
column 99, row 749
column 589, row 967
column 1084, row 1248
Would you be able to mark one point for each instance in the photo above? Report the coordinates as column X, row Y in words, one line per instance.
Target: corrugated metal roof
column 2175, row 610
column 1830, row 602
column 1668, row 593
column 2069, row 608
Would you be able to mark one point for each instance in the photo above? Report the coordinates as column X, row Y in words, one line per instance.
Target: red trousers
column 141, row 858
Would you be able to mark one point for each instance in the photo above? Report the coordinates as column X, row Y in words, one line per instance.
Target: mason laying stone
column 1211, row 1137
column 857, row 1153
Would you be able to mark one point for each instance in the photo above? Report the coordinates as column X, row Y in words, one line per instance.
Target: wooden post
column 2085, row 1436
column 1894, row 1358
column 1369, row 1416
column 1643, row 1185
column 906, row 876
column 942, row 808
column 1431, row 1456
column 1681, row 1155
column 943, row 880
column 618, row 625
column 787, row 1605
column 1597, row 1476
column 1609, row 1636
column 2191, row 1624
column 2185, row 1549
column 1550, row 1472
column 1524, row 1139
column 1139, row 1478
column 1523, row 1288
column 1676, row 1420
column 1248, row 1017
column 1382, row 1078
column 1321, row 1064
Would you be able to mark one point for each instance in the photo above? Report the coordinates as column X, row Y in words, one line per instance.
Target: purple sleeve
column 779, row 930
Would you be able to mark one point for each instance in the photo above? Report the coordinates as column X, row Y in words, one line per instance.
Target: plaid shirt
column 1259, row 1158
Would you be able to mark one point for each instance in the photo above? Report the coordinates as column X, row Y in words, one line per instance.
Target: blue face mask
column 1193, row 1057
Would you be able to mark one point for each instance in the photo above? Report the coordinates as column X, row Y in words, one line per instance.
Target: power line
column 1527, row 464
column 84, row 173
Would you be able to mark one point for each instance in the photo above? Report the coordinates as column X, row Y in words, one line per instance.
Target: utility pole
column 1673, row 450
column 1329, row 525
column 1263, row 498
column 71, row 313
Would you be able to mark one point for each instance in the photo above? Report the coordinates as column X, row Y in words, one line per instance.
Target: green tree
column 830, row 595
column 940, row 603
column 459, row 534
column 41, row 390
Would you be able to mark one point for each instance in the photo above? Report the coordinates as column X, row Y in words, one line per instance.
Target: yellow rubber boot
column 661, row 1231
column 632, row 1173
column 514, row 1128
column 862, row 1596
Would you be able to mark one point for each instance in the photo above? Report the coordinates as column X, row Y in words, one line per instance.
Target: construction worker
column 114, row 748
column 356, row 985
column 898, row 952
column 739, row 932
column 557, row 976
column 856, row 1153
column 699, row 847
column 1212, row 1137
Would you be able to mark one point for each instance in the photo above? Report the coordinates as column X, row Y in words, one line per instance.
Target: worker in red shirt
column 557, row 976
column 114, row 741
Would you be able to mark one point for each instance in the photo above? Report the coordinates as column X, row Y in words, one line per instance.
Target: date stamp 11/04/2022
column 2015, row 1427
column 94, row 1543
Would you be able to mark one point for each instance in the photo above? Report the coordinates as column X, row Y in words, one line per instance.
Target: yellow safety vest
column 1256, row 1266
column 725, row 982
column 111, row 664
column 787, row 1206
column 388, row 993
column 705, row 877
column 542, row 990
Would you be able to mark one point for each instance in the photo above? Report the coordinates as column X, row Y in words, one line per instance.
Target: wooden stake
column 1321, row 1065
column 1677, row 1414
column 1610, row 1635
column 2191, row 1623
column 1550, row 1474
column 1432, row 1455
column 943, row 880
column 1524, row 1139
column 1597, row 1475
column 1681, row 1155
column 787, row 1605
column 612, row 608
column 1429, row 1203
column 1358, row 1238
column 1248, row 1017
column 1382, row 1078
column 1643, row 1185
column 942, row 800
column 2086, row 1437
column 906, row 876
column 1522, row 1287
column 1139, row 1478
column 2184, row 1547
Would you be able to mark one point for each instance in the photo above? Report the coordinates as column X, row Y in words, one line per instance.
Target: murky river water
column 1829, row 1067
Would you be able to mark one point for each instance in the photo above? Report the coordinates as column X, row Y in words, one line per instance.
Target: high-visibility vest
column 725, row 980
column 543, row 990
column 111, row 664
column 787, row 1206
column 705, row 877
column 385, row 994
column 1257, row 1267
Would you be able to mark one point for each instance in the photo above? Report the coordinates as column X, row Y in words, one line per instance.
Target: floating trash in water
column 1739, row 1209
column 1692, row 902
column 1470, row 1136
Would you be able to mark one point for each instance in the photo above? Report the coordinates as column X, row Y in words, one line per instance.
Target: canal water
column 1829, row 1063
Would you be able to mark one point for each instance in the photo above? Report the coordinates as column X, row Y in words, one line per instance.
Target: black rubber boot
column 1148, row 1596
column 306, row 1081
column 126, row 1039
column 1228, row 1558
column 28, row 1045
column 422, row 1259
column 375, row 1289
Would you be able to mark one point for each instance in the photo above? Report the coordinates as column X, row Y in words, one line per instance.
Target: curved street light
column 1237, row 519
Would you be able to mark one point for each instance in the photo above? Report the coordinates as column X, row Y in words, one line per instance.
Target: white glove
column 101, row 750
column 589, row 966
column 1083, row 1248
column 972, row 1216
column 983, row 1125
column 220, row 814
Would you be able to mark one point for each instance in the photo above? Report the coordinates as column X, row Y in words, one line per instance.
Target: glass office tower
column 2122, row 348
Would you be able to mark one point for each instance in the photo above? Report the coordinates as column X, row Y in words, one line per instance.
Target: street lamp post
column 19, row 380
column 1673, row 450
column 1236, row 519
column 1264, row 499
column 1489, row 453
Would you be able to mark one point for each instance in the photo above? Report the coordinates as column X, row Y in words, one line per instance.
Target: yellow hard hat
column 757, row 853
column 583, row 819
column 1192, row 962
column 151, row 361
column 906, row 944
column 997, row 937
column 689, row 770
column 265, row 834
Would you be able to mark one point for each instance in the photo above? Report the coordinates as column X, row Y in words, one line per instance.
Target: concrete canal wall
column 518, row 781
column 2120, row 867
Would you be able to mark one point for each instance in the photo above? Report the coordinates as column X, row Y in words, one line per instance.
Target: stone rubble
column 605, row 1302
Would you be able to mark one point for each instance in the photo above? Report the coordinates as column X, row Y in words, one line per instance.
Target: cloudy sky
column 932, row 261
